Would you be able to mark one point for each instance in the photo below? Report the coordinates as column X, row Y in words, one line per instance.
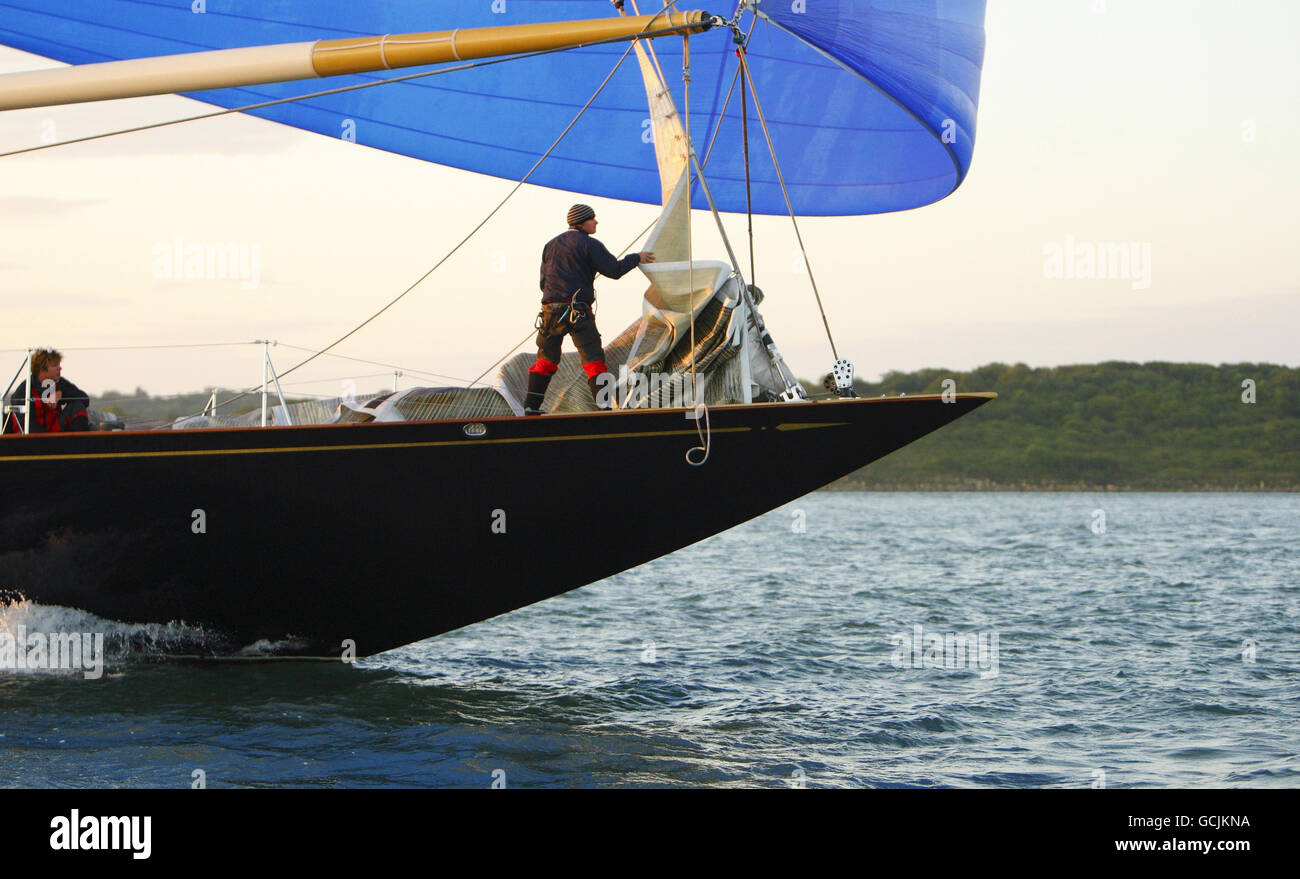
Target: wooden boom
column 228, row 68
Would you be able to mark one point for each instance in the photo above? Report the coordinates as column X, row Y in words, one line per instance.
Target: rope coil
column 706, row 435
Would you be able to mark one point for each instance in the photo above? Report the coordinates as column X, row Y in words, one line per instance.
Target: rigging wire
column 701, row 408
column 690, row 234
column 713, row 139
column 744, row 127
column 144, row 347
column 341, row 378
column 398, row 366
column 482, row 223
column 758, row 109
column 501, row 359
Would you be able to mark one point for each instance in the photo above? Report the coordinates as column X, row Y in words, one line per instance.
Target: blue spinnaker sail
column 871, row 103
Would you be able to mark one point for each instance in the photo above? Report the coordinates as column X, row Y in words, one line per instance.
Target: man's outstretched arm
column 605, row 262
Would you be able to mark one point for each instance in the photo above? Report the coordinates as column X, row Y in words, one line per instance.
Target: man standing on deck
column 57, row 404
column 570, row 262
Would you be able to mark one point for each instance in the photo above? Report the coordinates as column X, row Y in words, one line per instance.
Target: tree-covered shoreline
column 1114, row 426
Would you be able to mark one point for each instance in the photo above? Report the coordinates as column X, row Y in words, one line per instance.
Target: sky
column 1156, row 130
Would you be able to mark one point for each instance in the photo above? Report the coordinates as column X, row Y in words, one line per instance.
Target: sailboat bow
column 416, row 513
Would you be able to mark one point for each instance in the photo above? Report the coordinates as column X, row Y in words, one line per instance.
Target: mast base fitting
column 842, row 372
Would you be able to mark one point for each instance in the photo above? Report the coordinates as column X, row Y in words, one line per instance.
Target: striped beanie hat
column 579, row 214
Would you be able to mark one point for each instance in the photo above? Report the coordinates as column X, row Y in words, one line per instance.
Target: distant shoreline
column 1104, row 427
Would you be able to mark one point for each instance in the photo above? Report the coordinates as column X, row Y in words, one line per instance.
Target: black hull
column 387, row 534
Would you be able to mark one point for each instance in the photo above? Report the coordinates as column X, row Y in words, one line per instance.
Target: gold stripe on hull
column 182, row 453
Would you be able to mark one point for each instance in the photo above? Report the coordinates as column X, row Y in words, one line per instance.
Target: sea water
column 845, row 640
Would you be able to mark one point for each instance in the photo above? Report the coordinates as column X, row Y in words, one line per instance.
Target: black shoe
column 537, row 384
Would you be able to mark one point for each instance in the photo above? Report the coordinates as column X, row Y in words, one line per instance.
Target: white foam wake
column 122, row 641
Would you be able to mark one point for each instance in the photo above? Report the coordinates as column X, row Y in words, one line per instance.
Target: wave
column 122, row 642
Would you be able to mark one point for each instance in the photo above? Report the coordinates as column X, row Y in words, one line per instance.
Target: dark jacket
column 46, row 419
column 570, row 262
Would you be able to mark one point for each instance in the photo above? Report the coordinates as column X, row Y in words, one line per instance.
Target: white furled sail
column 671, row 149
column 678, row 290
